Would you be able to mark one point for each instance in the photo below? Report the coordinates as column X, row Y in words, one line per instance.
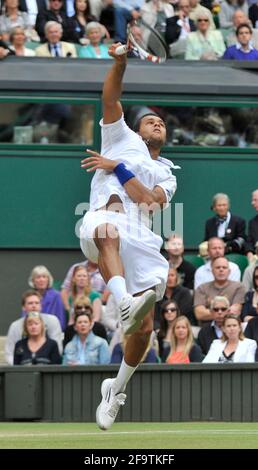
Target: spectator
column 168, row 313
column 253, row 14
column 96, row 280
column 118, row 352
column 54, row 47
column 248, row 273
column 85, row 348
column 42, row 281
column 13, row 17
column 196, row 9
column 219, row 308
column 175, row 249
column 252, row 237
column 225, row 225
column 243, row 50
column 36, row 348
column 250, row 307
column 17, row 40
column 175, row 292
column 227, row 10
column 81, row 286
column 95, row 49
column 155, row 14
column 33, row 8
column 54, row 13
column 80, row 20
column 216, row 248
column 205, row 43
column 251, row 332
column 183, row 349
column 233, row 346
column 239, row 18
column 178, row 28
column 31, row 302
column 82, row 304
column 221, row 286
column 125, row 11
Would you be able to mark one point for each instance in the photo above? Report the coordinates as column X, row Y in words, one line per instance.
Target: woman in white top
column 17, row 39
column 233, row 346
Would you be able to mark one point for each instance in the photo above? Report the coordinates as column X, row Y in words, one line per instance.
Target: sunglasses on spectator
column 83, row 307
column 256, row 276
column 219, row 309
column 171, row 309
column 203, row 19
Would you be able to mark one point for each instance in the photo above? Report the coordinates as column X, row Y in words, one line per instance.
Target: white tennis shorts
column 144, row 266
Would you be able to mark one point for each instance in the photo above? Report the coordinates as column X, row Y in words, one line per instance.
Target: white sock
column 118, row 287
column 124, row 374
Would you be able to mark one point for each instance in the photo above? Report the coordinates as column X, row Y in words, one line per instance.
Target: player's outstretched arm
column 112, row 88
column 151, row 199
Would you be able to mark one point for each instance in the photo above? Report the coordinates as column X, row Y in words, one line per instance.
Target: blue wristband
column 122, row 173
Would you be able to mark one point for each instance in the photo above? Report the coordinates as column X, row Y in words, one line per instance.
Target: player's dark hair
column 137, row 124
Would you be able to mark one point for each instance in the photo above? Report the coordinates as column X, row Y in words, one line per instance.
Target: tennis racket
column 144, row 42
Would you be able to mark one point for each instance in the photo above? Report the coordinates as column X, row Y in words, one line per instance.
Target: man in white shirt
column 115, row 231
column 33, row 7
column 216, row 248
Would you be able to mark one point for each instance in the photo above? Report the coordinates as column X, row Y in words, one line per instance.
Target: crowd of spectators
column 207, row 313
column 191, row 29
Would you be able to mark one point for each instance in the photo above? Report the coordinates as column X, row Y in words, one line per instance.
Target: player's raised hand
column 97, row 162
column 119, row 57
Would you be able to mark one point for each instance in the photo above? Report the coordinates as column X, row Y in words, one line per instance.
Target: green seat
column 240, row 260
column 197, row 261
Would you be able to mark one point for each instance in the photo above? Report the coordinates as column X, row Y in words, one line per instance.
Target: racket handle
column 120, row 50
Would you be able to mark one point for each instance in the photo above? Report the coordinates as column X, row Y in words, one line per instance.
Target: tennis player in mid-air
column 131, row 181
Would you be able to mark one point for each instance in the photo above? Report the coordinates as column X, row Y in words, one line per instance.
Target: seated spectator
column 216, row 248
column 250, row 307
column 178, row 28
column 35, row 348
column 168, row 313
column 54, row 13
column 96, row 280
column 196, row 9
column 239, row 18
column 219, row 308
column 181, row 295
column 95, row 49
column 85, row 348
column 251, row 331
column 33, row 8
column 205, row 43
column 12, row 17
column 155, row 14
column 82, row 304
column 243, row 50
column 31, row 302
column 175, row 250
column 54, row 47
column 227, row 10
column 80, row 20
column 252, row 237
column 253, row 14
column 225, row 225
column 222, row 286
column 118, row 352
column 81, row 285
column 42, row 281
column 233, row 346
column 183, row 348
column 125, row 12
column 17, row 40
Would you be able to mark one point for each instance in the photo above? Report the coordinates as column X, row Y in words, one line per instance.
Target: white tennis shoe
column 108, row 408
column 133, row 310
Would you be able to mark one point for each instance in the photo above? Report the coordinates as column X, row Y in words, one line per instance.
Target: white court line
column 119, row 433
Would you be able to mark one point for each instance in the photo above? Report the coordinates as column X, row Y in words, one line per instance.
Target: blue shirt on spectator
column 236, row 53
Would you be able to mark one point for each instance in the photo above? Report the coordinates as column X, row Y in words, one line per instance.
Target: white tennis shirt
column 119, row 142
